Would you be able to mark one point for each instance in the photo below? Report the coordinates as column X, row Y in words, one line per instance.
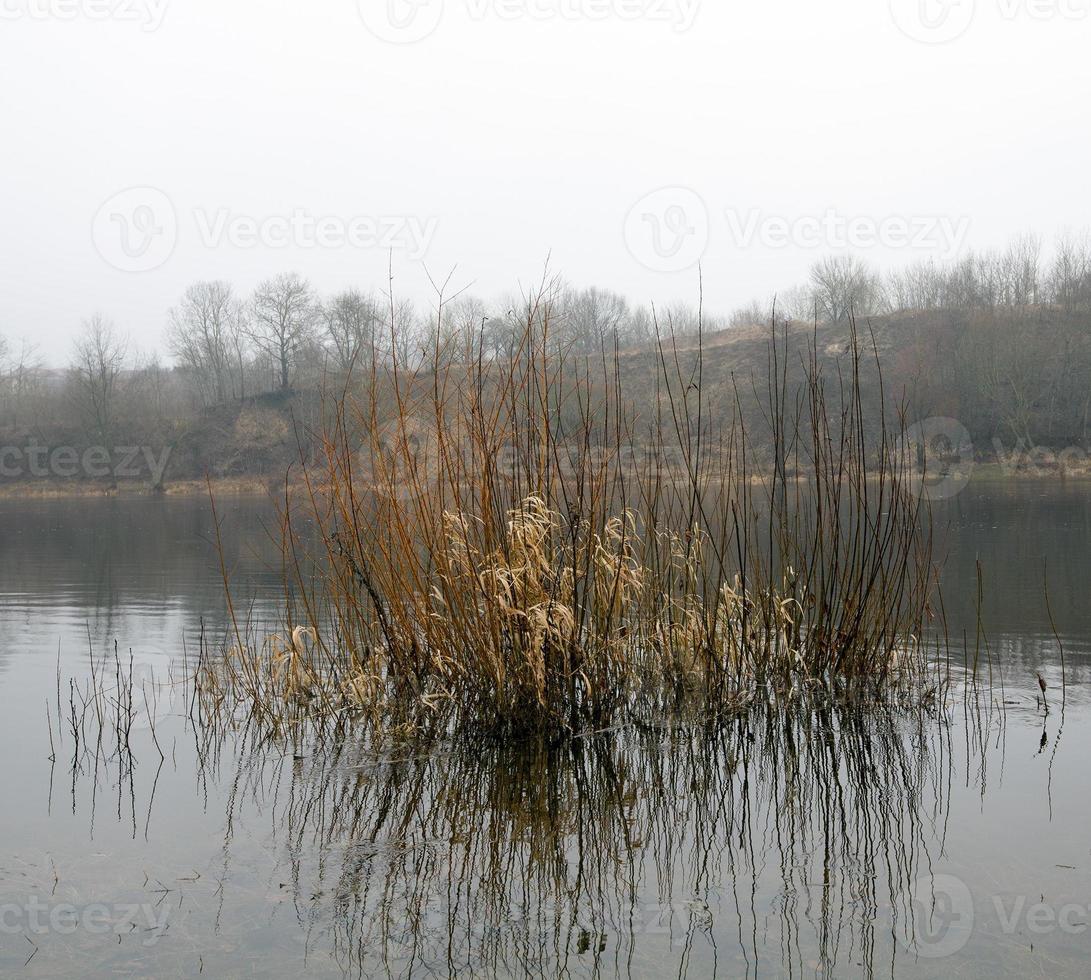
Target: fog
column 324, row 138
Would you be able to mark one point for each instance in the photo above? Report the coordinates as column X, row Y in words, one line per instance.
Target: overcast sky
column 150, row 143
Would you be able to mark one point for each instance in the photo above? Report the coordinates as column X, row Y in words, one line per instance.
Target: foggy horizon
column 318, row 141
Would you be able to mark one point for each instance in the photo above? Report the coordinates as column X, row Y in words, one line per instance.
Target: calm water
column 829, row 843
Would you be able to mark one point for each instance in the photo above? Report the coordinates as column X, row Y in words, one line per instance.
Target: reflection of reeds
column 523, row 542
column 791, row 836
column 97, row 719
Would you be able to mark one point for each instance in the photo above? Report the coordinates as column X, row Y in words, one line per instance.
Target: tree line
column 1001, row 339
column 1015, row 277
column 227, row 348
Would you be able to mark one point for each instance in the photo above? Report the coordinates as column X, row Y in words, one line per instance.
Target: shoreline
column 77, row 490
column 991, row 472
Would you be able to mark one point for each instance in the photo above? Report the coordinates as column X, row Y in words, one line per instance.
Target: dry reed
column 526, row 541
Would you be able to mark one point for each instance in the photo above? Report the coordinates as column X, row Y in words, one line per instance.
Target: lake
column 822, row 841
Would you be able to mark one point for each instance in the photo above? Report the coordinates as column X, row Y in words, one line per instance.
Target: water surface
column 824, row 842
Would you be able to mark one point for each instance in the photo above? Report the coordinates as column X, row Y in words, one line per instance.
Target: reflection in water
column 142, row 571
column 813, row 841
column 1022, row 533
column 778, row 842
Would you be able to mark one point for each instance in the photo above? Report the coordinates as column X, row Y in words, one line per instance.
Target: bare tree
column 1070, row 273
column 404, row 338
column 97, row 366
column 468, row 317
column 352, row 323
column 6, row 385
column 919, row 286
column 641, row 326
column 593, row 319
column 240, row 340
column 681, row 319
column 5, row 371
column 283, row 313
column 204, row 334
column 1021, row 265
column 457, row 331
column 753, row 314
column 20, row 377
column 845, row 286
column 796, row 303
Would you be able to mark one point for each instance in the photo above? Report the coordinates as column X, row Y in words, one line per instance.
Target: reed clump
column 538, row 540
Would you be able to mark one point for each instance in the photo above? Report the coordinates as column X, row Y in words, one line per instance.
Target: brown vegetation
column 528, row 542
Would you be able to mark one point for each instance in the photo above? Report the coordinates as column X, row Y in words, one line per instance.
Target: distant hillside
column 1015, row 381
column 1012, row 379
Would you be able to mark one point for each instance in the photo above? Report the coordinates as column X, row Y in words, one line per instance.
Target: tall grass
column 547, row 541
